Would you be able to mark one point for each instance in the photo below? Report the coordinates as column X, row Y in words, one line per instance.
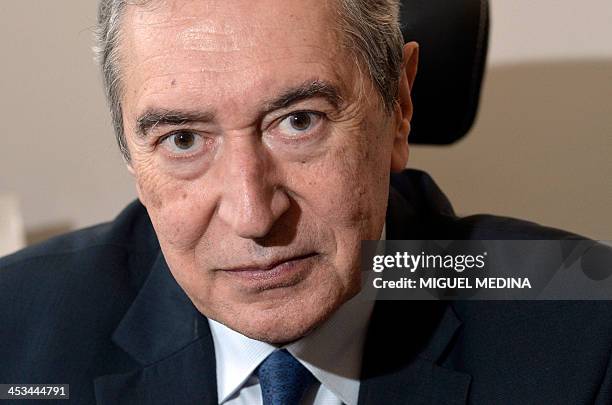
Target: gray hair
column 371, row 32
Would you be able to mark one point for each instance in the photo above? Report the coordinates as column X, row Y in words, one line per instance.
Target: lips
column 283, row 272
column 270, row 266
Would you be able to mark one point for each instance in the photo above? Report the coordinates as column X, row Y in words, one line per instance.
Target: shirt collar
column 332, row 352
column 236, row 357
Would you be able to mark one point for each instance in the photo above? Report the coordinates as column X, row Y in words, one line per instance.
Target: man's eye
column 299, row 123
column 182, row 142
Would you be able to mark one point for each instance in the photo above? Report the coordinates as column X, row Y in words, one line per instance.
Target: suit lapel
column 171, row 341
column 406, row 339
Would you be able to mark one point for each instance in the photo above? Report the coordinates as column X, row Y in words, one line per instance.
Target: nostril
column 253, row 212
column 280, row 202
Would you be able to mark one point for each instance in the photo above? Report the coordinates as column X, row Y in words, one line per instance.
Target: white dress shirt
column 332, row 353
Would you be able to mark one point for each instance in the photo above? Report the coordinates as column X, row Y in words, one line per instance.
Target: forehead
column 229, row 46
column 228, row 24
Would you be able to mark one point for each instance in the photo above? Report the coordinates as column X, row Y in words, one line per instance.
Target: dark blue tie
column 283, row 379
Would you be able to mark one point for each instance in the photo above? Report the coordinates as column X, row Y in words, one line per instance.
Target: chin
column 276, row 315
column 279, row 323
column 279, row 332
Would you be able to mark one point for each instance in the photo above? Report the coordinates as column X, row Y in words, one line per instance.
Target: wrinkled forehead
column 229, row 49
column 224, row 26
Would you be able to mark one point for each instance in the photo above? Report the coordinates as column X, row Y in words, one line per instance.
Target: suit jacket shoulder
column 422, row 211
column 482, row 352
column 62, row 299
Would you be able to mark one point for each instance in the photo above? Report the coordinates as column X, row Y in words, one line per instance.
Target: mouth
column 279, row 273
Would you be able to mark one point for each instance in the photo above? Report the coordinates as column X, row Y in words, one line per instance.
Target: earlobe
column 139, row 194
column 130, row 169
column 401, row 150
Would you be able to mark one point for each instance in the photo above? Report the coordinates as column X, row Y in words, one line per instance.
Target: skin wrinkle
column 189, row 86
column 255, row 196
column 314, row 88
column 206, row 37
column 226, row 68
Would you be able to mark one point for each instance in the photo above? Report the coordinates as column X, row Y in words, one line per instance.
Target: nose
column 252, row 200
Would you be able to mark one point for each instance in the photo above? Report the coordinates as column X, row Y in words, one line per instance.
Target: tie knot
column 283, row 379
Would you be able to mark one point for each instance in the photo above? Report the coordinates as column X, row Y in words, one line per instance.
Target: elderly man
column 261, row 136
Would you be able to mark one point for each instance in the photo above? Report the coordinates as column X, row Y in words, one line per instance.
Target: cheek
column 362, row 177
column 348, row 188
column 177, row 210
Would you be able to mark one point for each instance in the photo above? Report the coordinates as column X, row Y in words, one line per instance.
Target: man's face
column 261, row 153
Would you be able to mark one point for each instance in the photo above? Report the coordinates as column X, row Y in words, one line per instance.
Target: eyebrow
column 307, row 90
column 153, row 118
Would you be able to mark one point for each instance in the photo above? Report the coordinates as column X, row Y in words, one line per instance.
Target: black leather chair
column 453, row 37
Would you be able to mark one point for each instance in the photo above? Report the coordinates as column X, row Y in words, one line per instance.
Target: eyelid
column 199, row 144
column 299, row 135
column 167, row 135
column 276, row 121
column 315, row 105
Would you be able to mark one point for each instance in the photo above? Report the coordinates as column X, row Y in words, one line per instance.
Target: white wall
column 58, row 151
column 544, row 30
column 540, row 149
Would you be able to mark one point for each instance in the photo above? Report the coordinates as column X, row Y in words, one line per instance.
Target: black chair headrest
column 453, row 37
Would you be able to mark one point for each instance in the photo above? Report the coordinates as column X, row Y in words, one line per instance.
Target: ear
column 130, row 169
column 399, row 156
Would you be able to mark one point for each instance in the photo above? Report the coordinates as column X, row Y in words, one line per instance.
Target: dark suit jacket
column 99, row 310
